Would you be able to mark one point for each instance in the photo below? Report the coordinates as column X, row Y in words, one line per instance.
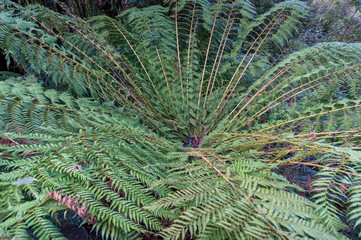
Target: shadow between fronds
column 178, row 122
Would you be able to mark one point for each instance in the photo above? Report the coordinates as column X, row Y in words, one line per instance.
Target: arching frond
column 178, row 122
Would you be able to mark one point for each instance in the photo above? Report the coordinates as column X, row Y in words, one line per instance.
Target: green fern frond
column 145, row 87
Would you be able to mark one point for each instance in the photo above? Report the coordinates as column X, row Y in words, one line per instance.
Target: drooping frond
column 240, row 197
column 66, row 154
column 206, row 75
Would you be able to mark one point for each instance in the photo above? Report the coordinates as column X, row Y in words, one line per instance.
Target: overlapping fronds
column 241, row 198
column 73, row 157
column 144, row 56
column 337, row 178
column 90, row 159
column 207, row 75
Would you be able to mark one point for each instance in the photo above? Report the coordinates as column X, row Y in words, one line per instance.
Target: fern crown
column 178, row 122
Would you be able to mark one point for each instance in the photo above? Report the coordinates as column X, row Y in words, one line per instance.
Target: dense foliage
column 326, row 24
column 177, row 122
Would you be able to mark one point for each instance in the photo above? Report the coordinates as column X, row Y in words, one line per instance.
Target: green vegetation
column 183, row 121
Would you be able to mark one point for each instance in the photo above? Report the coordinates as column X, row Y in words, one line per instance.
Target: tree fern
column 175, row 123
column 64, row 144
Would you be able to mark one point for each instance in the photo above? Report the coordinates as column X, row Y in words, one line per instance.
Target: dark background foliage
column 324, row 25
